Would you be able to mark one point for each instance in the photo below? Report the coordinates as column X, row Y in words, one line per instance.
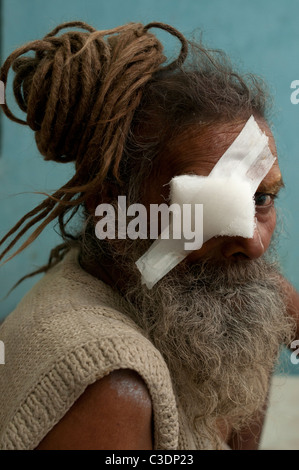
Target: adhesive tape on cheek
column 227, row 198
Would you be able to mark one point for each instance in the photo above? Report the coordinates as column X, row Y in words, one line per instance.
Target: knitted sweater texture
column 68, row 332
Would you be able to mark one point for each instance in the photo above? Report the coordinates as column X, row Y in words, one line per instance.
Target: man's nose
column 251, row 248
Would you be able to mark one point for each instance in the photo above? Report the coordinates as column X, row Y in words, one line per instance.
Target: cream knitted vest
column 65, row 334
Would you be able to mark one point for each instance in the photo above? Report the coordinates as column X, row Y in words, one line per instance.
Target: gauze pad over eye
column 227, row 198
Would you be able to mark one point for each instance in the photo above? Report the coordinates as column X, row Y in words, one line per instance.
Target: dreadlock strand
column 22, row 220
column 80, row 92
column 184, row 43
column 64, row 103
column 45, row 139
column 70, row 24
column 25, row 74
column 48, row 215
column 36, row 100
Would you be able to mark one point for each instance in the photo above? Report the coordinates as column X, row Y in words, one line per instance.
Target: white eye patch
column 227, row 198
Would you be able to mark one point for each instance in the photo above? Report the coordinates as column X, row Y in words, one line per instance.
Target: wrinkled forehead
column 203, row 147
column 197, row 150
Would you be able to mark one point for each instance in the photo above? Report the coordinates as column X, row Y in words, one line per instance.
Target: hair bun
column 80, row 91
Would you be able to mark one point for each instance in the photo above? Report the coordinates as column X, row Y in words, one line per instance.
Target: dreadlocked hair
column 107, row 101
column 80, row 92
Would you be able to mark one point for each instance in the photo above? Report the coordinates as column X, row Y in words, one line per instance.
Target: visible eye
column 264, row 200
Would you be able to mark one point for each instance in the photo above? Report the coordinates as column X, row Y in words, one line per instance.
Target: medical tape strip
column 240, row 170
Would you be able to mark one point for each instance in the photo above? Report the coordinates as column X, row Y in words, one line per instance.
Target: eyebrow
column 273, row 187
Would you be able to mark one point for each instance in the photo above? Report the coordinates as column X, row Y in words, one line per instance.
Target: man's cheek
column 266, row 226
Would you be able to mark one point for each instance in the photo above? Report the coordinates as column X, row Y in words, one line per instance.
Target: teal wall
column 261, row 36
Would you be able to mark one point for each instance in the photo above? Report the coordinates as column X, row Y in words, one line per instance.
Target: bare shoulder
column 114, row 413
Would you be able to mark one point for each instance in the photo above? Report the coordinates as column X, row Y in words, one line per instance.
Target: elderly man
column 95, row 358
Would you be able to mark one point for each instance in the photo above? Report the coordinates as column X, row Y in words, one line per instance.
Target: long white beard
column 219, row 327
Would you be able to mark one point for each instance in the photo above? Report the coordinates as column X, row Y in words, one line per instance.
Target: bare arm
column 114, row 413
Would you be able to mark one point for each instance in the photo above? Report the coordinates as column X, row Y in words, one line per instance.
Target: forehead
column 197, row 150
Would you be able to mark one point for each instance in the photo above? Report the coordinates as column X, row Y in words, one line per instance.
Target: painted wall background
column 261, row 36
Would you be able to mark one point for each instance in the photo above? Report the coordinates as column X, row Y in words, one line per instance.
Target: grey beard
column 219, row 327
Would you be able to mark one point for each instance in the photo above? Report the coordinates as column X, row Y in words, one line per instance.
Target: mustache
column 221, row 277
column 236, row 271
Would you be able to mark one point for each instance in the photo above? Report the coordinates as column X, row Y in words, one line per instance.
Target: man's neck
column 103, row 270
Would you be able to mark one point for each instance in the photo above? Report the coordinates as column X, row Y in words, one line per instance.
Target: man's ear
column 108, row 193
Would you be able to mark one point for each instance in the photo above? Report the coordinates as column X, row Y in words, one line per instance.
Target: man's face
column 196, row 152
column 218, row 318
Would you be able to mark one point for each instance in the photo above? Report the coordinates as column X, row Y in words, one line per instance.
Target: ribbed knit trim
column 68, row 332
column 44, row 406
